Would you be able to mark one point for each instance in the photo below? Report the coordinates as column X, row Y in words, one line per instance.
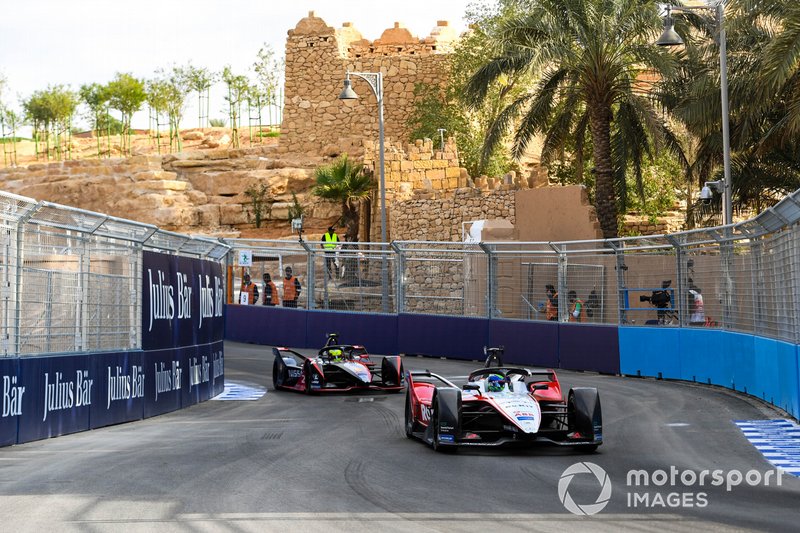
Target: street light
column 375, row 81
column 670, row 38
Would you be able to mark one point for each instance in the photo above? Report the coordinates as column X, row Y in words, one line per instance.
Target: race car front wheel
column 409, row 417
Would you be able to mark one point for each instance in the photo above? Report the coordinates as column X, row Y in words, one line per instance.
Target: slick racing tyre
column 409, row 425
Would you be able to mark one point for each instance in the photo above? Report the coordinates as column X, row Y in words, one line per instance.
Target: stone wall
column 440, row 219
column 317, row 56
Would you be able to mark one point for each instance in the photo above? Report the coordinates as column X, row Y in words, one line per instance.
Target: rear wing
column 426, row 376
column 279, row 351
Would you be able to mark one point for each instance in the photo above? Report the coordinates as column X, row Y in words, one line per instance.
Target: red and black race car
column 336, row 368
column 501, row 405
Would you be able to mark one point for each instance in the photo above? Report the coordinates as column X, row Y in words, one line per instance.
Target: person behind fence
column 593, row 305
column 291, row 289
column 698, row 311
column 270, row 291
column 551, row 305
column 577, row 309
column 329, row 242
column 250, row 288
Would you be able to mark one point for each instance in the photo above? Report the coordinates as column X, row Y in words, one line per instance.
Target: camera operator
column 660, row 299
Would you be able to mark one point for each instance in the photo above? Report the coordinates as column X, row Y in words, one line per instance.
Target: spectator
column 250, row 288
column 291, row 289
column 270, row 291
column 329, row 242
column 577, row 309
column 551, row 305
column 593, row 305
column 698, row 316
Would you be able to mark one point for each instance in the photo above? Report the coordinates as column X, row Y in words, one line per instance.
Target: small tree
column 348, row 183
column 200, row 80
column 260, row 203
column 126, row 95
column 95, row 96
column 268, row 75
column 238, row 89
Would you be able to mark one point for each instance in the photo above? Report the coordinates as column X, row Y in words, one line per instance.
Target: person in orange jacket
column 270, row 296
column 250, row 288
column 291, row 289
column 551, row 305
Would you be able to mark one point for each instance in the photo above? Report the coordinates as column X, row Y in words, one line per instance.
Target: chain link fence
column 71, row 279
column 742, row 277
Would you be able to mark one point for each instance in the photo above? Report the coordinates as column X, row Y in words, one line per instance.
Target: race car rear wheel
column 275, row 372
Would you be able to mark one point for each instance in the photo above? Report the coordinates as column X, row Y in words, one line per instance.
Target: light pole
column 375, row 81
column 671, row 38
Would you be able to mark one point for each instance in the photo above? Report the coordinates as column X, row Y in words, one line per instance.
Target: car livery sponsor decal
column 359, row 371
column 315, row 381
column 523, row 410
column 425, row 412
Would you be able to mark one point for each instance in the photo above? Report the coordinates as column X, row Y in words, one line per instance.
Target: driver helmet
column 495, row 383
column 335, row 354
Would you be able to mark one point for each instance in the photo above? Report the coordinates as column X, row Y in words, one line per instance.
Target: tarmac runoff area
column 285, row 462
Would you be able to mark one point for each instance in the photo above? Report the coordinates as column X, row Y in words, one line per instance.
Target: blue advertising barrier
column 526, row 343
column 765, row 368
column 14, row 391
column 166, row 378
column 442, row 336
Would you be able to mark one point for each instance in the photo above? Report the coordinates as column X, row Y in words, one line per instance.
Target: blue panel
column 526, row 342
column 274, row 326
column 706, row 355
column 442, row 336
column 650, row 352
column 58, row 396
column 165, row 375
column 584, row 347
column 777, row 382
column 377, row 332
column 119, row 389
column 13, row 397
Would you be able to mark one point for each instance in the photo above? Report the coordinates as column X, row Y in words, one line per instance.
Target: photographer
column 660, row 299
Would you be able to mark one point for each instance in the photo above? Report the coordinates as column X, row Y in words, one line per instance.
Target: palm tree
column 346, row 182
column 593, row 56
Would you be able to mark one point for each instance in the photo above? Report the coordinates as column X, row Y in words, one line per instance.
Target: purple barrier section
column 526, row 343
column 12, row 400
column 58, row 396
column 442, row 336
column 273, row 326
column 377, row 332
column 165, row 378
column 584, row 347
column 118, row 389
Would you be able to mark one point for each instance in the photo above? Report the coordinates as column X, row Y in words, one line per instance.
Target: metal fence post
column 726, row 258
column 491, row 281
column 563, row 301
column 400, row 265
column 681, row 287
column 311, row 290
column 757, row 284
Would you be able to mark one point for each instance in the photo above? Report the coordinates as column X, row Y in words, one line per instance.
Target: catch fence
column 71, row 279
column 742, row 277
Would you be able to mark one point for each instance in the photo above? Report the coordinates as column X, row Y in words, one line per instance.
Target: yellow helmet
column 335, row 354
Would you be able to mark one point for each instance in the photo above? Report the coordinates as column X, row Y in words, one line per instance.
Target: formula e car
column 501, row 405
column 336, row 368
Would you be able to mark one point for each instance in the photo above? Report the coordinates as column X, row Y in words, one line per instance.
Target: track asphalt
column 342, row 462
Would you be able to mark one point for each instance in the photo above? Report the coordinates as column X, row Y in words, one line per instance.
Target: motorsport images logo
column 581, row 469
column 663, row 488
